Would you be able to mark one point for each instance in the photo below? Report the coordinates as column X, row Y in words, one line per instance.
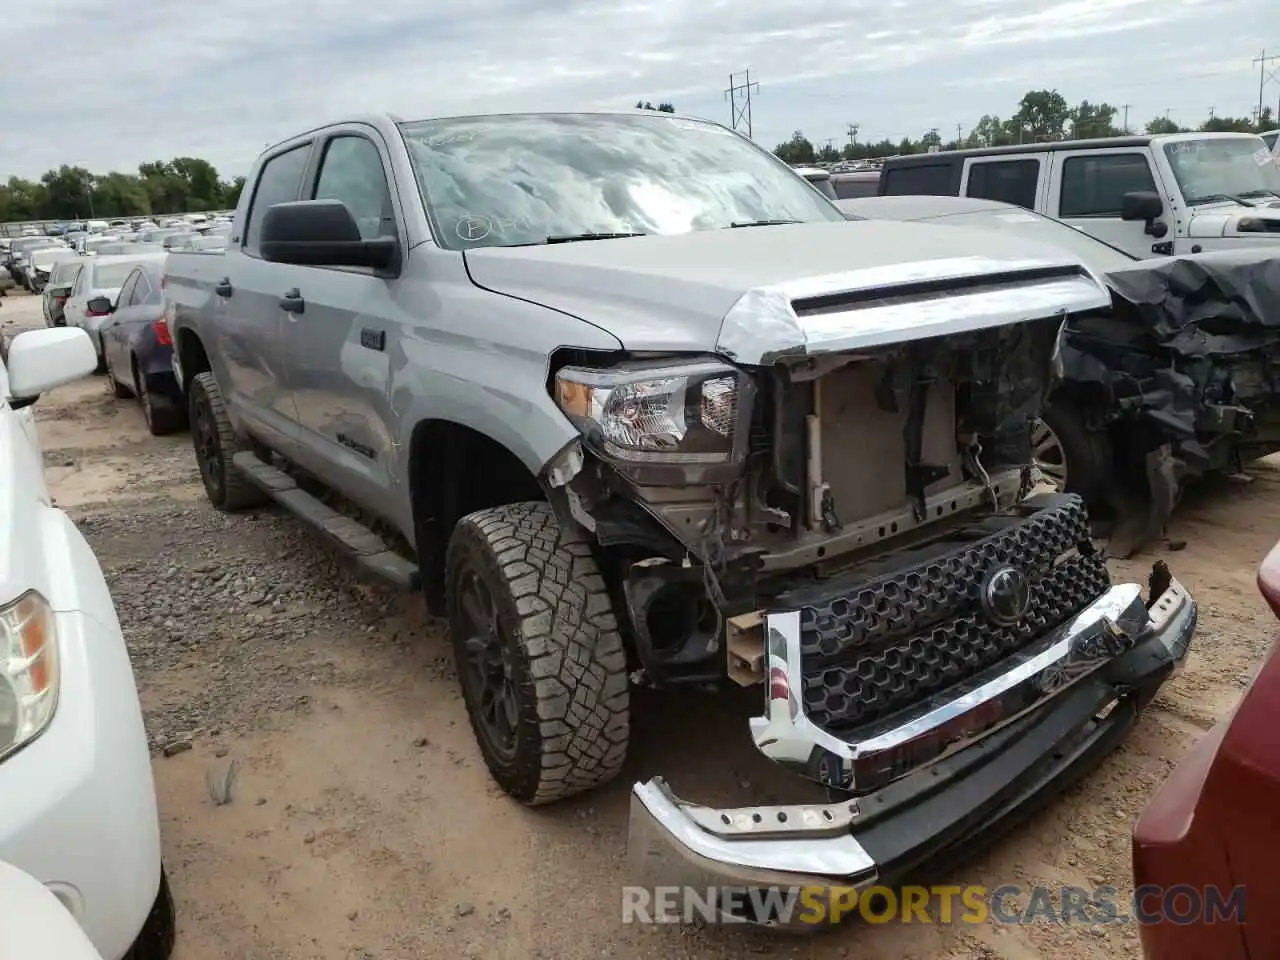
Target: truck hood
column 760, row 294
column 1224, row 219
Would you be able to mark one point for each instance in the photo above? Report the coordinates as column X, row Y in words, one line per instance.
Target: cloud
column 221, row 79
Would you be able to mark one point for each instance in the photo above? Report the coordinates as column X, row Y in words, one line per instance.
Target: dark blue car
column 138, row 350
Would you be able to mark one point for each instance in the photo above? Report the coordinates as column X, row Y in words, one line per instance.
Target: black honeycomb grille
column 898, row 639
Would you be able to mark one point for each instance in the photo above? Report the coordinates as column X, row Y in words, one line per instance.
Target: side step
column 366, row 548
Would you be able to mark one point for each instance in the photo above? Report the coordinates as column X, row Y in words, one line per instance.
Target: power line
column 739, row 95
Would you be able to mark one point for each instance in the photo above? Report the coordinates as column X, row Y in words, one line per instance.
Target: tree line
column 180, row 185
column 192, row 185
column 1041, row 115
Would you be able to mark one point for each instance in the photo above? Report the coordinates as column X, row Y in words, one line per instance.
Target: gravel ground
column 361, row 822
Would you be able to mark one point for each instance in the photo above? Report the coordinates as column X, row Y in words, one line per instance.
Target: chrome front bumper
column 1058, row 690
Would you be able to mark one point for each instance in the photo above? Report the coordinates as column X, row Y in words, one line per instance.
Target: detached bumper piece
column 925, row 785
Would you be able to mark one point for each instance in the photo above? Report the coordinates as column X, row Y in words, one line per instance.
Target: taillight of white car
column 28, row 671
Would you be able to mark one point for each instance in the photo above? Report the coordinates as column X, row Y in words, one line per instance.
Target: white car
column 75, row 773
column 101, row 278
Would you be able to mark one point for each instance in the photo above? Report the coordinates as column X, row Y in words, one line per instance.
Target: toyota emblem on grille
column 1006, row 595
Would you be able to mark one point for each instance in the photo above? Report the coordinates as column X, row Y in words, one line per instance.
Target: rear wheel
column 538, row 653
column 215, row 444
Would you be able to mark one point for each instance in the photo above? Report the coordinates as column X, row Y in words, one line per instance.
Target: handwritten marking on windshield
column 473, row 229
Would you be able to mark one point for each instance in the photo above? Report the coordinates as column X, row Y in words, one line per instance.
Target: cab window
column 1095, row 186
column 1008, row 181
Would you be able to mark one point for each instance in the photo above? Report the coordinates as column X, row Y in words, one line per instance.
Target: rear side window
column 1270, row 139
column 1009, row 181
column 125, row 296
column 279, row 182
column 1095, row 186
column 929, row 180
column 146, row 293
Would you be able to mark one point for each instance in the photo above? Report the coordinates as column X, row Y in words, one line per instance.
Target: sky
column 220, row 79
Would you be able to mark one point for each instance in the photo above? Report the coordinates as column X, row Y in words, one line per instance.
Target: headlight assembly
column 665, row 422
column 28, row 671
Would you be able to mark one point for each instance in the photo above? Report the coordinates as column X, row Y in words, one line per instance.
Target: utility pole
column 1263, row 76
column 739, row 95
column 1125, row 107
column 852, row 130
column 958, row 136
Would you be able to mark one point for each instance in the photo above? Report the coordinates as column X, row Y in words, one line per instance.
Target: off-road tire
column 568, row 661
column 1088, row 453
column 155, row 940
column 230, row 490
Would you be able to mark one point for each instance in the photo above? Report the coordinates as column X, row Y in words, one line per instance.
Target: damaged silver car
column 635, row 405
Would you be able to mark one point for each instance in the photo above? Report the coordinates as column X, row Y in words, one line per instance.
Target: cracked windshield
column 514, row 180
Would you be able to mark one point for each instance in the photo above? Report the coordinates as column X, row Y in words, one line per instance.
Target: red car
column 1207, row 847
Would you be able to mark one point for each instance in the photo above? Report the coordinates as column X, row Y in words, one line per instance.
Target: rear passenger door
column 1087, row 191
column 340, row 345
column 249, row 319
column 1020, row 179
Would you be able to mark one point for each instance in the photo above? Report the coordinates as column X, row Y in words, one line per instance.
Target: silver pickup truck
column 634, row 404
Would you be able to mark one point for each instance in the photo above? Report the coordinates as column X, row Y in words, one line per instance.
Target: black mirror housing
column 100, row 305
column 322, row 233
column 1142, row 205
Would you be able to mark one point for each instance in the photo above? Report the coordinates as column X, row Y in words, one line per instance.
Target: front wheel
column 1074, row 458
column 538, row 653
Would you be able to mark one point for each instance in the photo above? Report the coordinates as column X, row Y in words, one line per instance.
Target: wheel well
column 453, row 471
column 191, row 355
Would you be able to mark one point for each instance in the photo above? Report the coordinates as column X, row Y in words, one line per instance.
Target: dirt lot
column 362, row 822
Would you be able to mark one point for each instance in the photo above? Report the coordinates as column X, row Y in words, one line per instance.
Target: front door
column 339, row 344
column 1087, row 189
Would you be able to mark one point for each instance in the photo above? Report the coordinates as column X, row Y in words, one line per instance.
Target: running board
column 366, row 548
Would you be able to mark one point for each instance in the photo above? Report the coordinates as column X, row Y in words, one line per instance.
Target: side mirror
column 40, row 360
column 100, row 305
column 322, row 233
column 59, row 290
column 1141, row 205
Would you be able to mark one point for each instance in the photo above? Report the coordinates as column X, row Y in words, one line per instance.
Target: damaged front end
column 838, row 507
column 932, row 784
column 1181, row 372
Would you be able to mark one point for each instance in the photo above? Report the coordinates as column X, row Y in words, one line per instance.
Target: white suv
column 75, row 773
